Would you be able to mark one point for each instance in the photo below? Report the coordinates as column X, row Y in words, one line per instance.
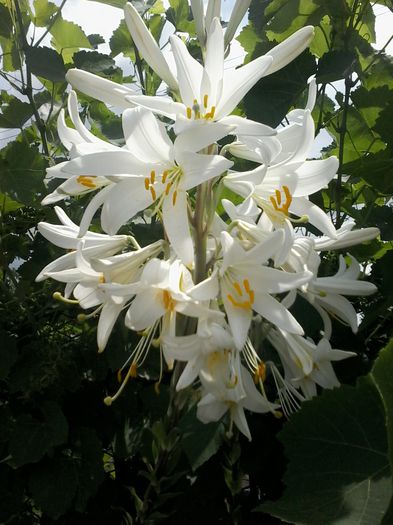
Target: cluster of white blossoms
column 216, row 288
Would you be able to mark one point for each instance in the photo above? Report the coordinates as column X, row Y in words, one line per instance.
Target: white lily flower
column 193, row 349
column 150, row 169
column 239, row 10
column 306, row 364
column 326, row 294
column 208, row 92
column 148, row 47
column 227, row 385
column 346, row 237
column 246, row 285
column 161, row 292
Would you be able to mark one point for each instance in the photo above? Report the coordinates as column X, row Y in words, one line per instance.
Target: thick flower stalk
column 215, row 291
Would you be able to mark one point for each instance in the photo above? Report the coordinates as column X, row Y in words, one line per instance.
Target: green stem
column 200, row 238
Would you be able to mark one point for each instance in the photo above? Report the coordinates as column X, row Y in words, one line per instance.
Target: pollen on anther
column 205, row 100
column 153, row 193
column 238, row 288
column 152, row 176
column 189, row 113
column 164, row 176
column 133, row 371
column 147, row 183
column 174, row 197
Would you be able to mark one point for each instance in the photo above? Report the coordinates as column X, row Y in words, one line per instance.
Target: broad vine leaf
column 44, row 10
column 339, row 471
column 68, row 38
column 46, row 62
column 54, row 485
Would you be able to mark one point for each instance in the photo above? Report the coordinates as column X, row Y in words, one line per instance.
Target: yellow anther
column 157, row 387
column 119, row 376
column 238, row 288
column 276, row 201
column 205, row 99
column 147, row 184
column 153, row 193
column 212, row 111
column 108, row 401
column 168, row 188
column 101, row 279
column 246, row 284
column 58, row 297
column 133, row 371
column 189, row 113
column 246, row 305
column 164, row 176
column 86, row 181
column 260, row 373
column 169, row 303
column 195, row 102
column 174, row 197
column 152, row 176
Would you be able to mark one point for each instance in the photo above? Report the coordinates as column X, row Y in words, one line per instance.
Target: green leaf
column 11, row 58
column 8, row 353
column 46, row 62
column 15, row 113
column 22, row 169
column 335, row 65
column 381, row 374
column 271, row 98
column 200, row 441
column 29, row 441
column 121, row 42
column 56, row 422
column 8, row 205
column 68, row 38
column 96, row 39
column 93, row 62
column 53, row 486
column 5, row 22
column 91, row 470
column 338, row 470
column 114, row 3
column 178, row 14
column 44, row 10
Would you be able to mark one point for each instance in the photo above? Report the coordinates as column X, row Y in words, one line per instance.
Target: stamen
column 58, row 297
column 238, row 288
column 174, row 197
column 205, row 99
column 164, row 176
column 189, row 113
column 260, row 373
column 101, row 279
column 278, row 197
column 169, row 303
column 246, row 305
column 86, row 181
column 168, row 188
column 152, row 176
column 153, row 193
column 212, row 111
column 277, row 200
column 147, row 183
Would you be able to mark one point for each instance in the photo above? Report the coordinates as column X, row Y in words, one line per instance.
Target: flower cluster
column 219, row 286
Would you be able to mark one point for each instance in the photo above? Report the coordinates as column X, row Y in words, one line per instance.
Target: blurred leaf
column 375, row 169
column 338, row 468
column 45, row 62
column 44, row 10
column 53, row 486
column 10, row 52
column 178, row 14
